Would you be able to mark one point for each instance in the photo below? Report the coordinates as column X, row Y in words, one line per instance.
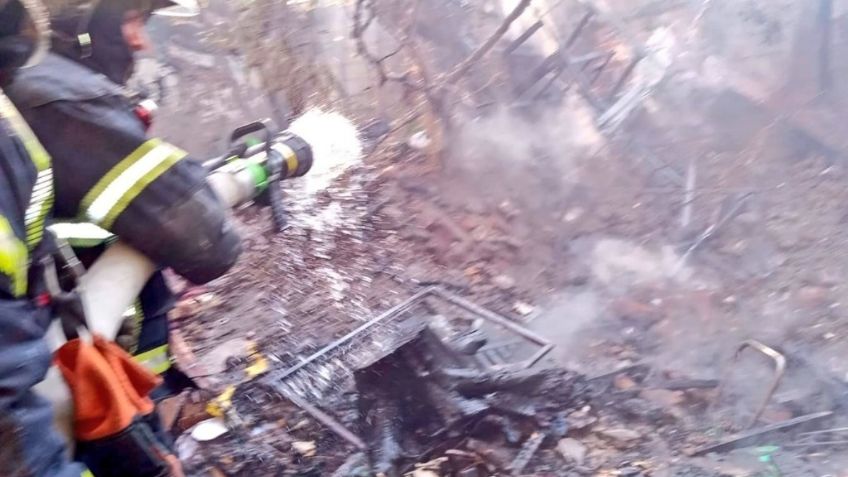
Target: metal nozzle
column 297, row 155
column 251, row 172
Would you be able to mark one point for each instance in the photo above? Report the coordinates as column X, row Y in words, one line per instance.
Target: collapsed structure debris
column 405, row 372
column 424, row 400
column 418, row 395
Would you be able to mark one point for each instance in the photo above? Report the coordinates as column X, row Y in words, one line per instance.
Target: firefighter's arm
column 146, row 191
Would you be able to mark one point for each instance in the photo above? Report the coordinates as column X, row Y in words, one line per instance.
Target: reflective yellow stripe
column 118, row 188
column 42, row 194
column 86, row 473
column 155, row 360
column 39, row 206
column 291, row 158
column 13, row 258
column 116, row 171
column 37, row 153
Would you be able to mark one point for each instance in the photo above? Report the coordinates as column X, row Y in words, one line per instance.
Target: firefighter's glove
column 69, row 308
column 110, row 392
column 127, row 337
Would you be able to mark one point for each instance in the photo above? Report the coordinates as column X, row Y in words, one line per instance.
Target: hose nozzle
column 296, row 154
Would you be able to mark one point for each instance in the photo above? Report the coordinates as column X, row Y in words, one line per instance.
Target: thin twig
column 489, row 44
column 433, row 90
column 390, row 55
column 364, row 14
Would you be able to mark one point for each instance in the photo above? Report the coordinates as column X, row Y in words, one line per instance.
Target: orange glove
column 110, row 392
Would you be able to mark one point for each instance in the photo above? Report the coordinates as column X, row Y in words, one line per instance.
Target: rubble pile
column 421, row 394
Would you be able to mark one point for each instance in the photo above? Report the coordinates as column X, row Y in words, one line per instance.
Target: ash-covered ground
column 711, row 215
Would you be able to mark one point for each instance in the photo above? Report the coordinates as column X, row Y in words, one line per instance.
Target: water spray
column 258, row 160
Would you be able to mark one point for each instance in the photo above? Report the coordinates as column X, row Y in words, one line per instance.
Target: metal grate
column 329, row 371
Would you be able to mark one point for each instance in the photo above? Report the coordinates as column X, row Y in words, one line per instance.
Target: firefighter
column 30, row 446
column 112, row 176
column 140, row 189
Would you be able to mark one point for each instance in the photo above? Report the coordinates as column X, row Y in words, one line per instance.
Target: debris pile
column 418, row 392
column 712, row 216
column 426, row 401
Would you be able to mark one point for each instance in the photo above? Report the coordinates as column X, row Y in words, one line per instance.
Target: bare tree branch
column 360, row 26
column 427, row 92
column 484, row 49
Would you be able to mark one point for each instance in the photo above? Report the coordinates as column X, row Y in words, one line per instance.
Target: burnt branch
column 426, row 90
column 487, row 46
column 390, row 55
column 364, row 15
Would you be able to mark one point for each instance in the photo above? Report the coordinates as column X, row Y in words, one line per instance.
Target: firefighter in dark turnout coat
column 30, row 446
column 116, row 179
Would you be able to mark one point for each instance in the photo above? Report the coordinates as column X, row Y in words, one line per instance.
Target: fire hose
column 252, row 169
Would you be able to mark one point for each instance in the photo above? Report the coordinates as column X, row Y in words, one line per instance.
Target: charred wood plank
column 526, row 382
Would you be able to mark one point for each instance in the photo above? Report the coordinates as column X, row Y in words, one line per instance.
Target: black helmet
column 89, row 31
column 24, row 33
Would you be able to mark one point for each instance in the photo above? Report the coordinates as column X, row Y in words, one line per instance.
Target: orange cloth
column 108, row 387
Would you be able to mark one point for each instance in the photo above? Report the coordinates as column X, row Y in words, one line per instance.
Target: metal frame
column 829, row 437
column 577, row 71
column 515, row 328
column 779, row 370
column 275, row 381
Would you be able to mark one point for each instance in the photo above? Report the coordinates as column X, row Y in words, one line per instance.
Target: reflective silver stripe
column 41, row 192
column 71, row 231
column 106, row 201
column 39, row 206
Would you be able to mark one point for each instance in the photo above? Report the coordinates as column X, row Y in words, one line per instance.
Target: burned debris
column 417, row 405
column 411, row 393
column 421, row 389
column 611, row 200
column 405, row 394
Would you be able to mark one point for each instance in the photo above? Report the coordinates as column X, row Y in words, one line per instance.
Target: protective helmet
column 90, row 32
column 24, row 33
